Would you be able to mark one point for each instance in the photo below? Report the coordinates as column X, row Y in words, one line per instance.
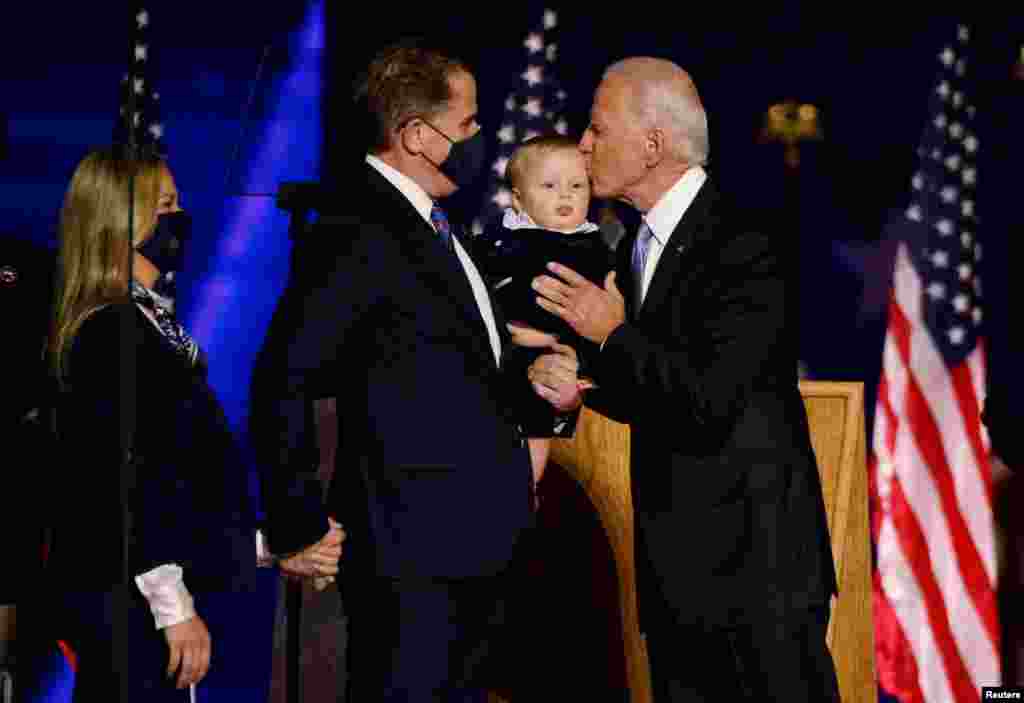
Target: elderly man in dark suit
column 697, row 353
column 433, row 482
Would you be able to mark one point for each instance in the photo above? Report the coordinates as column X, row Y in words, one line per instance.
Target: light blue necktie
column 640, row 248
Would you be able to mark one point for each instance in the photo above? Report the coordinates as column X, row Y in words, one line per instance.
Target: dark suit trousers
column 745, row 662
column 421, row 641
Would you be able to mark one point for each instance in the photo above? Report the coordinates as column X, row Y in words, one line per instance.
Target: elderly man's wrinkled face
column 613, row 142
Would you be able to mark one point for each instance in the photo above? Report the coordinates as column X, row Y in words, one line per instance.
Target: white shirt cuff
column 169, row 600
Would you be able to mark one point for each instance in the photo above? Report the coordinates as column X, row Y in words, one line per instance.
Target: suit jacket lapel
column 691, row 230
column 425, row 251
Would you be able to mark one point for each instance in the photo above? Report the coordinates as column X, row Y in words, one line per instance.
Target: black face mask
column 465, row 159
column 166, row 248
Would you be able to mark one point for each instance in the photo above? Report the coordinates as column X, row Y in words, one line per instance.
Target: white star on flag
column 140, row 52
column 937, row 291
column 943, row 90
column 142, row 19
column 534, row 75
column 532, row 107
column 947, row 57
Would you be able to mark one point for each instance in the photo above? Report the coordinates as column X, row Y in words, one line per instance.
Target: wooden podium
column 597, row 457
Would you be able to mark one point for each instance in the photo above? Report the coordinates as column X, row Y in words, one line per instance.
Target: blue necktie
column 440, row 221
column 640, row 248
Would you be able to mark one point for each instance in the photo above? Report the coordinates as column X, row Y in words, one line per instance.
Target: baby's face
column 555, row 191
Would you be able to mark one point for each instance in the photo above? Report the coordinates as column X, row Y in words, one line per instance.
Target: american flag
column 139, row 114
column 534, row 107
column 936, row 620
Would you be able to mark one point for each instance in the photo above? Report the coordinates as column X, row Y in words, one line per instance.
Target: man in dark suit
column 698, row 355
column 432, row 480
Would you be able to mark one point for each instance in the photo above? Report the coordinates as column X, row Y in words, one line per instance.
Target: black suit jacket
column 730, row 520
column 432, row 475
column 191, row 504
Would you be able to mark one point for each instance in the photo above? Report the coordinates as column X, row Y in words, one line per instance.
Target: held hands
column 591, row 311
column 190, row 647
column 319, row 561
column 554, row 378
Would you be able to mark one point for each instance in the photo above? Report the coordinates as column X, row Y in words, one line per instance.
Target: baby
column 547, row 222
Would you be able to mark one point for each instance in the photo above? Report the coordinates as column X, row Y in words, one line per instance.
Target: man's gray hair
column 667, row 98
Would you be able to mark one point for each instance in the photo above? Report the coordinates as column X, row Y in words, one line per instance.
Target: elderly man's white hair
column 666, row 97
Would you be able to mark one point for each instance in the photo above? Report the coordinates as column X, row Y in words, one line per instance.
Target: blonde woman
column 192, row 528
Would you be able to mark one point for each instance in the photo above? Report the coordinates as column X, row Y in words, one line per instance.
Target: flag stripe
column 915, row 550
column 923, row 468
column 966, row 394
column 971, row 509
column 924, row 494
column 897, row 671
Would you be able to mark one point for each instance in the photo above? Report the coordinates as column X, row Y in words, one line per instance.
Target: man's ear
column 654, row 147
column 517, row 202
column 410, row 136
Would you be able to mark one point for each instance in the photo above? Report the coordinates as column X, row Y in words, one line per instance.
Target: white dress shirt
column 663, row 218
column 424, row 204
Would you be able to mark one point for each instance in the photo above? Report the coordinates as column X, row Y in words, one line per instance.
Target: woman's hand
column 190, row 647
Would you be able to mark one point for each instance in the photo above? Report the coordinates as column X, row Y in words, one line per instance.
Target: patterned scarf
column 162, row 311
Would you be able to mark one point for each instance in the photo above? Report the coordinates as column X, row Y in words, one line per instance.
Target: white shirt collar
column 412, row 190
column 670, row 208
column 520, row 220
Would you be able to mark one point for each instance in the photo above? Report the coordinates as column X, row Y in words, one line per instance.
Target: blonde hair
column 515, row 170
column 96, row 242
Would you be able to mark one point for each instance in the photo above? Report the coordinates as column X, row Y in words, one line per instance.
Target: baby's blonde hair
column 515, row 170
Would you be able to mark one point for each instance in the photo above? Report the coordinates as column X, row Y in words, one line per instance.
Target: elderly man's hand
column 592, row 311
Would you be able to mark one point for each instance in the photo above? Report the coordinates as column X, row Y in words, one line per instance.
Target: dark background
column 234, row 134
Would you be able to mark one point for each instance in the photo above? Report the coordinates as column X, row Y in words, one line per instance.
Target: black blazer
column 432, row 475
column 191, row 505
column 730, row 519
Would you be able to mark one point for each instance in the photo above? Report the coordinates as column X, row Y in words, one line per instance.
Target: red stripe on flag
column 927, row 439
column 968, row 399
column 894, row 659
column 915, row 547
